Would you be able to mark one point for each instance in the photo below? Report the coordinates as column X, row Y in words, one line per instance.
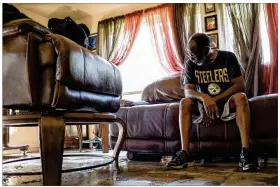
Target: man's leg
column 185, row 122
column 240, row 103
column 248, row 160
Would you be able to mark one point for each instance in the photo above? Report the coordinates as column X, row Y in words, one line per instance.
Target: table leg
column 80, row 136
column 105, row 137
column 52, row 131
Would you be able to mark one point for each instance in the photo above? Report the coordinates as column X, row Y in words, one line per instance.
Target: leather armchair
column 47, row 71
column 61, row 83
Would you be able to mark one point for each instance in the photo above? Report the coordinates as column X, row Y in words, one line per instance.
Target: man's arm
column 238, row 85
column 209, row 104
column 189, row 90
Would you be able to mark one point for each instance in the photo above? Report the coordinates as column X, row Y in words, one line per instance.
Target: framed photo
column 92, row 40
column 209, row 7
column 211, row 23
column 214, row 40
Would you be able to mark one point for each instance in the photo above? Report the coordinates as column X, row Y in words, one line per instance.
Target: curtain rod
column 137, row 11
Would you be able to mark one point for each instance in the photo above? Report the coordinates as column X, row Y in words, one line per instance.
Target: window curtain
column 186, row 23
column 270, row 77
column 109, row 32
column 247, row 44
column 132, row 23
column 164, row 37
column 226, row 30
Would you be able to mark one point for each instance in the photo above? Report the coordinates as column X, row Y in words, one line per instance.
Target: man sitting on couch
column 214, row 79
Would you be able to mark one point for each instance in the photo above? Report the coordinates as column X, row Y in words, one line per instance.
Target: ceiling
column 76, row 11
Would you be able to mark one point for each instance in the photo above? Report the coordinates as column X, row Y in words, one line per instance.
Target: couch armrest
column 82, row 69
column 24, row 25
column 264, row 115
column 81, row 79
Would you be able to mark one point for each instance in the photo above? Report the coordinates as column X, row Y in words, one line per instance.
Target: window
column 264, row 37
column 142, row 65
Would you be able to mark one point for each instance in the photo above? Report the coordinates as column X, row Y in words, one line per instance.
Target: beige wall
column 40, row 19
column 25, row 135
column 92, row 22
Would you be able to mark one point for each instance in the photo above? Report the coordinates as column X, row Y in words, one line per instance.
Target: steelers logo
column 214, row 89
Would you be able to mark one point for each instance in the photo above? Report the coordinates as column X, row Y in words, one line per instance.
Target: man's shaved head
column 198, row 41
column 198, row 47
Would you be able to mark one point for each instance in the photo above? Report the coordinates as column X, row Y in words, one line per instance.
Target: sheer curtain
column 244, row 18
column 225, row 32
column 162, row 27
column 127, row 38
column 109, row 31
column 267, row 78
column 187, row 19
column 271, row 70
column 117, row 35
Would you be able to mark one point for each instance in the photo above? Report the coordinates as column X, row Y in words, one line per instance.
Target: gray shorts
column 227, row 114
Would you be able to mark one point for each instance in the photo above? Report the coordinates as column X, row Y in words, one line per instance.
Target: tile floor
column 147, row 173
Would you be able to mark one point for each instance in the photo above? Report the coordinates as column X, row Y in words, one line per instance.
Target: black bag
column 69, row 28
column 11, row 13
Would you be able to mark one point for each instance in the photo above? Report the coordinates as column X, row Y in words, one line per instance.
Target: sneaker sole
column 249, row 167
column 178, row 167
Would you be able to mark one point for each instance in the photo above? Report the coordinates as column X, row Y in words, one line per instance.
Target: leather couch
column 153, row 127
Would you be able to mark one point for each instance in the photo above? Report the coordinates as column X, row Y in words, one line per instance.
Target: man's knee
column 240, row 99
column 185, row 105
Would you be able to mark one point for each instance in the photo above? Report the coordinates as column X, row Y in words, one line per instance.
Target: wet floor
column 146, row 173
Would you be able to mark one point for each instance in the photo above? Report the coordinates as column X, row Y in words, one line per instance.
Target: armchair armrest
column 24, row 25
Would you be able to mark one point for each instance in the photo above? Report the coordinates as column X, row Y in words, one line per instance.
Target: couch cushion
column 161, row 121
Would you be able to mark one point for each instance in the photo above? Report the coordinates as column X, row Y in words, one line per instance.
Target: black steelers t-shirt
column 213, row 78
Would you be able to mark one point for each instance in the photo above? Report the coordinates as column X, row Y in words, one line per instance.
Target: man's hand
column 210, row 106
column 207, row 121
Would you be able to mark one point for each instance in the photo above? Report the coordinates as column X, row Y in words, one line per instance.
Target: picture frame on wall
column 92, row 40
column 211, row 23
column 209, row 7
column 214, row 40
